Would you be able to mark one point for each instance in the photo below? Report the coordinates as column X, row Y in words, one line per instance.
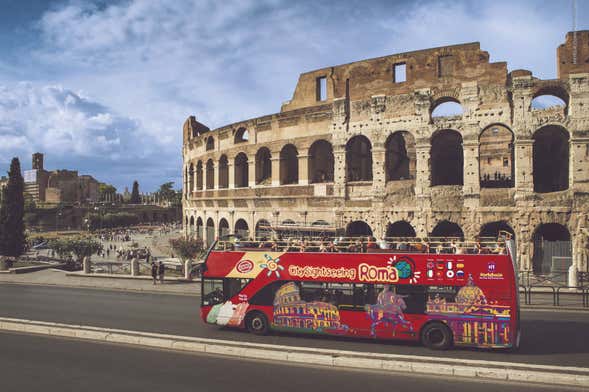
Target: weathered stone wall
column 363, row 99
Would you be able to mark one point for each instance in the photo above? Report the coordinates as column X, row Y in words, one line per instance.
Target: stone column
column 134, row 267
column 378, row 169
column 231, row 171
column 251, row 172
column 187, row 270
column 86, row 265
column 339, row 170
column 579, row 164
column 471, row 188
column 422, row 170
column 275, row 168
column 303, row 161
column 216, row 175
column 524, row 179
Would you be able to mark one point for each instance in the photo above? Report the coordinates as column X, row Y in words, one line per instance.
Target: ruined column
column 134, row 267
column 524, row 178
column 303, row 162
column 579, row 164
column 251, row 172
column 422, row 169
column 339, row 170
column 231, row 172
column 471, row 188
column 275, row 168
column 378, row 169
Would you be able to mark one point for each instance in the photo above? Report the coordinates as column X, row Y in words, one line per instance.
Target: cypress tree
column 12, row 211
column 135, row 199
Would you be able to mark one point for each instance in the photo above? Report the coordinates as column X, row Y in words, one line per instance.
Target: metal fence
column 552, row 260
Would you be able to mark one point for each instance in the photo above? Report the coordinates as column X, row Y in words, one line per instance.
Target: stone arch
column 241, row 170
column 496, row 157
column 446, row 107
column 241, row 136
column 552, row 250
column 242, row 229
column 223, row 228
column 446, row 158
column 359, row 159
column 400, row 229
column 210, row 231
column 263, row 229
column 400, row 156
column 223, row 172
column 358, row 228
column 492, row 229
column 199, row 228
column 447, row 229
column 321, row 162
column 210, row 174
column 199, row 170
column 549, row 97
column 263, row 166
column 210, row 145
column 289, row 165
column 190, row 179
column 551, row 159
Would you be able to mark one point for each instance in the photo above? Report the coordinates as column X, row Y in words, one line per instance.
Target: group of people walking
column 158, row 271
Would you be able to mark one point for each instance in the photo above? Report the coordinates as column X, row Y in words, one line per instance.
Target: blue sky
column 105, row 86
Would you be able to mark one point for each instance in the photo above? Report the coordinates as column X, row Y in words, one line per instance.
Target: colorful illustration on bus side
column 388, row 311
column 292, row 312
column 227, row 313
column 472, row 318
column 406, row 267
column 272, row 265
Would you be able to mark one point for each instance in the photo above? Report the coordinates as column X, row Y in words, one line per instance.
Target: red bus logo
column 244, row 266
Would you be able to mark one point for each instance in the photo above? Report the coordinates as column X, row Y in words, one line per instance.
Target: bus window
column 314, row 291
column 265, row 296
column 341, row 295
column 212, row 292
column 447, row 293
column 414, row 297
column 232, row 286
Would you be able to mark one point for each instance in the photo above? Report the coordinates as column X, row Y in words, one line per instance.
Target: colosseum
column 435, row 142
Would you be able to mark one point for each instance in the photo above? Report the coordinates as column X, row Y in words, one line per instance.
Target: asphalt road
column 551, row 338
column 35, row 363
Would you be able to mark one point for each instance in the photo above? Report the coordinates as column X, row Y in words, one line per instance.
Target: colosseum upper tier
column 435, row 142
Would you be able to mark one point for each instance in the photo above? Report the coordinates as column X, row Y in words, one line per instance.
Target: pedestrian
column 154, row 270
column 161, row 270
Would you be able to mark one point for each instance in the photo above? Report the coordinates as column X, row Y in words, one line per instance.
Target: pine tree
column 12, row 211
column 135, row 199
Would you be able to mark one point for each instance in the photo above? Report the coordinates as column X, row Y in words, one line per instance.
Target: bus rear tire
column 257, row 323
column 436, row 336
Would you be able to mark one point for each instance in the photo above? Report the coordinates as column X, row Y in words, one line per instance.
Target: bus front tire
column 257, row 323
column 436, row 336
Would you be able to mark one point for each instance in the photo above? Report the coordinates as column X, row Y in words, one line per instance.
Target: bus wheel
column 436, row 336
column 257, row 323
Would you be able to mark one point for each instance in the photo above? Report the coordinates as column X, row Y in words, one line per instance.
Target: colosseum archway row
column 496, row 159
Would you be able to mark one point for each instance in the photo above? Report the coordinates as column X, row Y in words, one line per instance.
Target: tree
column 135, row 199
column 187, row 248
column 80, row 247
column 12, row 211
column 166, row 191
column 106, row 191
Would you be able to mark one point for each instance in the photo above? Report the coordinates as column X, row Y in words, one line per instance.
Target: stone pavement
column 52, row 277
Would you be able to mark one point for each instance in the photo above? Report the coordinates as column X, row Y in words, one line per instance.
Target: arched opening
column 241, row 136
column 492, row 229
column 241, row 170
column 320, row 223
column 210, row 175
column 263, row 229
column 321, row 162
column 446, row 107
column 210, row 143
column 447, row 159
column 551, row 159
column 242, row 229
column 223, row 172
column 210, row 231
column 400, row 156
column 223, row 228
column 289, row 165
column 359, row 159
column 190, row 226
column 190, row 180
column 552, row 97
column 496, row 169
column 263, row 167
column 447, row 229
column 199, row 176
column 552, row 251
column 400, row 229
column 358, row 228
column 199, row 228
column 288, row 222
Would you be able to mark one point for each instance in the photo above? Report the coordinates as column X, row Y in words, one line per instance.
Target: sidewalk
column 52, row 277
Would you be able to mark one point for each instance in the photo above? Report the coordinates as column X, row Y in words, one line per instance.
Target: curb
column 102, row 288
column 488, row 370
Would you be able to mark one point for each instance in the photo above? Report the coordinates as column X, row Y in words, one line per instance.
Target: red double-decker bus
column 441, row 299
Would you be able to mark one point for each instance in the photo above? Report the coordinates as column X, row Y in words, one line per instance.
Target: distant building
column 59, row 186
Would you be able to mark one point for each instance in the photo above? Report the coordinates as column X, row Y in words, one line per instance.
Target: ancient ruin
column 433, row 142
